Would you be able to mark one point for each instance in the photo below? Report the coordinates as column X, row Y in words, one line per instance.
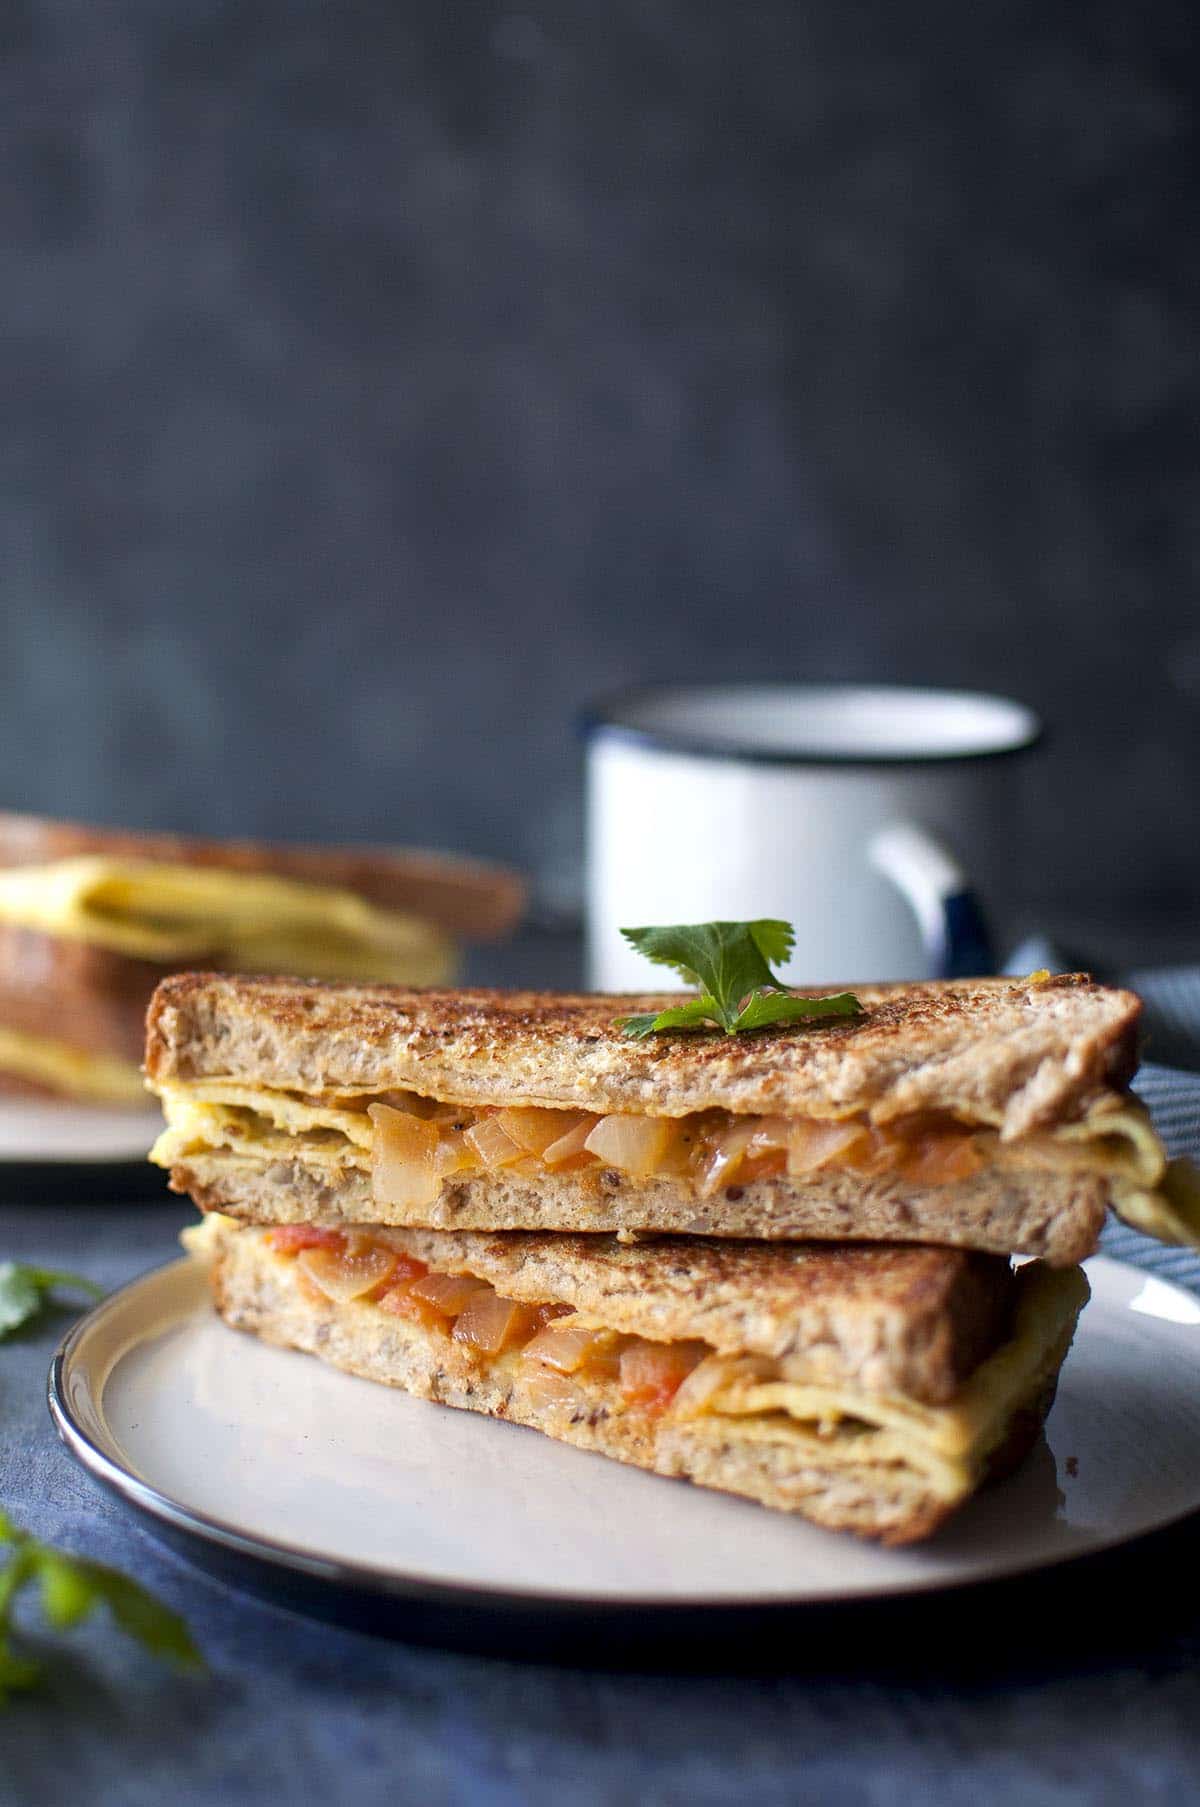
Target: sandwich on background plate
column 92, row 918
column 399, row 1182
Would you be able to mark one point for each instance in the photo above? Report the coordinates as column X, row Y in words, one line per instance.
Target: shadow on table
column 1131, row 1605
column 76, row 1182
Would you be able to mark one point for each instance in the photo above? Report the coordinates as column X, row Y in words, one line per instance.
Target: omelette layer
column 176, row 914
column 881, row 1464
column 415, row 1150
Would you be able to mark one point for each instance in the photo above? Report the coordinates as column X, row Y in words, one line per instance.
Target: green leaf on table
column 731, row 962
column 17, row 1674
column 70, row 1590
column 24, row 1291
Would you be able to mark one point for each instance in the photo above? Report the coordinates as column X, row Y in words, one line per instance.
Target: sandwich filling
column 553, row 1359
column 245, row 921
column 413, row 1147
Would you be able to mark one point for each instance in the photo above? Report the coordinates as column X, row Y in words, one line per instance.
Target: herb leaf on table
column 70, row 1589
column 24, row 1291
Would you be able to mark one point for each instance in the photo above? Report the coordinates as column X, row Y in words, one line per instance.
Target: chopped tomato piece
column 652, row 1373
column 290, row 1238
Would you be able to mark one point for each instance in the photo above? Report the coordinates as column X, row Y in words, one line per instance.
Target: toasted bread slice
column 1057, row 1216
column 1014, row 1054
column 290, row 1102
column 817, row 1428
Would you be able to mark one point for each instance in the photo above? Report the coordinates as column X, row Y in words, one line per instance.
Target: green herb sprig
column 24, row 1292
column 731, row 964
column 70, row 1590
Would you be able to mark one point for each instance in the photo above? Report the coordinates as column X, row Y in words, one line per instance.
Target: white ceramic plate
column 33, row 1131
column 239, row 1448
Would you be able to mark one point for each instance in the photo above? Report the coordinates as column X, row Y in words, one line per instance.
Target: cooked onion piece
column 573, row 1145
column 491, row 1324
column 634, row 1144
column 813, row 1145
column 349, row 1273
column 493, row 1144
column 568, row 1347
column 404, row 1158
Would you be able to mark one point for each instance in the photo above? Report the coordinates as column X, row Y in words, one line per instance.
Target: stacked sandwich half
column 774, row 1263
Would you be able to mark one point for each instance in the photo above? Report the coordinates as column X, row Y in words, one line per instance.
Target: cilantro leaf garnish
column 731, row 964
column 23, row 1291
column 70, row 1589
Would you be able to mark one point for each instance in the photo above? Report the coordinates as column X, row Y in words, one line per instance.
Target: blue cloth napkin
column 1172, row 1097
column 1171, row 996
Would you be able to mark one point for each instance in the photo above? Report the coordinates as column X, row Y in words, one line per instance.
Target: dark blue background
column 379, row 381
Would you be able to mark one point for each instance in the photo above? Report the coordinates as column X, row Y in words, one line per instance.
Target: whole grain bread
column 759, row 1460
column 1015, row 1054
column 914, row 1321
column 1056, row 1215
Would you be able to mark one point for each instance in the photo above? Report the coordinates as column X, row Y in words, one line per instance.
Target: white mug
column 836, row 807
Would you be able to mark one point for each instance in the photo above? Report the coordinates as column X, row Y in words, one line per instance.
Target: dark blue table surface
column 1077, row 1690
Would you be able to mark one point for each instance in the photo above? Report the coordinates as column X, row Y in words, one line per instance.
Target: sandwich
column 992, row 1115
column 870, row 1389
column 773, row 1263
column 92, row 918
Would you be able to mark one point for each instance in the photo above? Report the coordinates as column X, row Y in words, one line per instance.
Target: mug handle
column 953, row 927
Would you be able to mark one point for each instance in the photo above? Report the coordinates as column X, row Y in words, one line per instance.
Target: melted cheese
column 97, row 1078
column 249, row 921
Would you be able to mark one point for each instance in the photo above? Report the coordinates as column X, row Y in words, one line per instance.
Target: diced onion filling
column 416, row 1152
column 555, row 1352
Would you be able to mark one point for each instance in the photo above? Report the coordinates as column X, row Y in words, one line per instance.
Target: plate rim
column 366, row 1581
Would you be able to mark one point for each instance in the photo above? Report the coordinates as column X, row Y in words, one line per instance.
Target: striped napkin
column 1171, row 996
column 1172, row 1097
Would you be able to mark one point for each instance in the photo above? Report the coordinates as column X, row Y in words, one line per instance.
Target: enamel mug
column 841, row 808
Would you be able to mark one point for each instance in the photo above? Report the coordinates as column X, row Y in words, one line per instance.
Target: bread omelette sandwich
column 871, row 1389
column 708, row 1256
column 92, row 918
column 992, row 1115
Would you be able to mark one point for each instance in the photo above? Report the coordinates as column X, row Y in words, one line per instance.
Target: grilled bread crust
column 915, row 1321
column 1015, row 1054
column 1057, row 1216
column 270, row 1299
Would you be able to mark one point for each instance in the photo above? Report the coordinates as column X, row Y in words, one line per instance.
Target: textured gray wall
column 379, row 381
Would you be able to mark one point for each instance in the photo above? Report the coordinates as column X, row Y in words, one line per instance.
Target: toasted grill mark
column 994, row 1051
